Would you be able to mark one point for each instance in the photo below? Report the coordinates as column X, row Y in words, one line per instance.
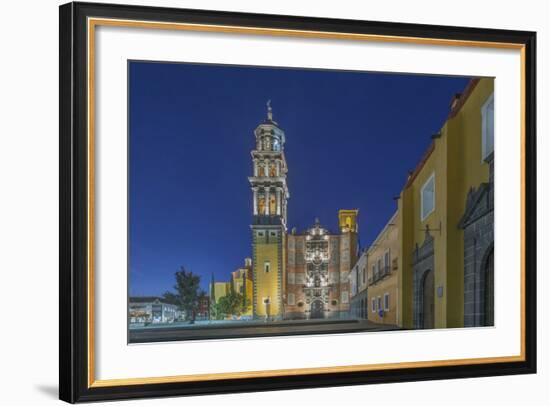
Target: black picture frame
column 73, row 284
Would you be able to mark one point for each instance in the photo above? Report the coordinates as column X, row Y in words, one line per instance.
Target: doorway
column 428, row 300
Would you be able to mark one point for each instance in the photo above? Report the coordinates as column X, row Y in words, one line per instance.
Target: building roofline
column 391, row 221
column 454, row 111
column 463, row 98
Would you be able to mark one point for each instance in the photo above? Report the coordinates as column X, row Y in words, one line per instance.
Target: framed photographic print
column 256, row 202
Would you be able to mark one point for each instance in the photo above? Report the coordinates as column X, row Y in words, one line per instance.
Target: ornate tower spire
column 268, row 183
column 269, row 218
column 269, row 111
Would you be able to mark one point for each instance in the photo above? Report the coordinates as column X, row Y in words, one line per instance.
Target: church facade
column 295, row 275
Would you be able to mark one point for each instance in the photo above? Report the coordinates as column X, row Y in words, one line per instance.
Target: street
column 236, row 329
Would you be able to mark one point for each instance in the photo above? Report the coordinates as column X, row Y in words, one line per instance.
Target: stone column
column 278, row 201
column 255, row 200
column 266, row 197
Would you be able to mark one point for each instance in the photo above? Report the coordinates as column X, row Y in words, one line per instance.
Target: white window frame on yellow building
column 430, row 180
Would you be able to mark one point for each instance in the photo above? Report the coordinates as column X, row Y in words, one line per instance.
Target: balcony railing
column 379, row 274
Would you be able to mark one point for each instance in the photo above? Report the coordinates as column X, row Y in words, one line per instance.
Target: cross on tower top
column 269, row 110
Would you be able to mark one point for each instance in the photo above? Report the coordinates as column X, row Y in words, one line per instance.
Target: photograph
column 253, row 202
column 270, row 201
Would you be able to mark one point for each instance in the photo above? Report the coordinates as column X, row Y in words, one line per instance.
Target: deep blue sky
column 350, row 140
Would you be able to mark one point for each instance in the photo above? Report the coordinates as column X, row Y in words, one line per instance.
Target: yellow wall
column 405, row 276
column 238, row 281
column 387, row 240
column 221, row 289
column 267, row 284
column 457, row 165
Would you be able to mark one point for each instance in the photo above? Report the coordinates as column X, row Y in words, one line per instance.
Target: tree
column 215, row 311
column 171, row 298
column 231, row 304
column 187, row 293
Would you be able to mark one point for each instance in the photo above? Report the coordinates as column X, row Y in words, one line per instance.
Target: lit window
column 266, row 266
column 427, row 197
column 386, row 301
column 487, row 128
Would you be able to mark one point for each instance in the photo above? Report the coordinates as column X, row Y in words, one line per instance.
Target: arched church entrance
column 317, row 309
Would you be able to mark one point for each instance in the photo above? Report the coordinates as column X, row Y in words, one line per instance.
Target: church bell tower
column 269, row 221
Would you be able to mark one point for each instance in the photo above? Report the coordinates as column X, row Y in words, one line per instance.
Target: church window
column 272, row 170
column 291, row 299
column 427, row 198
column 261, row 170
column 261, row 205
column 345, row 297
column 267, row 266
column 272, row 204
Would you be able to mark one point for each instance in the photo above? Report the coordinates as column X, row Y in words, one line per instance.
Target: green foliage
column 231, row 304
column 215, row 312
column 171, row 298
column 187, row 293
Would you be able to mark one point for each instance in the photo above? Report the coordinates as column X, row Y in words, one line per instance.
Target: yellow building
column 347, row 220
column 382, row 275
column 445, row 218
column 269, row 222
column 219, row 290
column 241, row 282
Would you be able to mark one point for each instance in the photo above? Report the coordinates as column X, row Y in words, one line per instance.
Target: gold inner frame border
column 94, row 22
